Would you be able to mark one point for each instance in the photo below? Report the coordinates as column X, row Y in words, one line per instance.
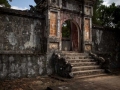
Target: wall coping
column 25, row 13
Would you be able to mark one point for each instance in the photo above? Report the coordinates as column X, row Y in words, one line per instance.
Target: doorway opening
column 70, row 33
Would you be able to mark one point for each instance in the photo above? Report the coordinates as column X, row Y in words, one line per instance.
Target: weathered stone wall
column 71, row 5
column 20, row 34
column 22, row 44
column 104, row 40
column 106, row 43
column 20, row 66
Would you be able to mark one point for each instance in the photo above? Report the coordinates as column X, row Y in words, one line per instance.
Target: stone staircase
column 83, row 65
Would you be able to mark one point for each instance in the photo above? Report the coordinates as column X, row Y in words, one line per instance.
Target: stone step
column 70, row 52
column 80, row 60
column 76, row 57
column 79, row 68
column 83, row 63
column 83, row 66
column 89, row 76
column 75, row 54
column 88, row 72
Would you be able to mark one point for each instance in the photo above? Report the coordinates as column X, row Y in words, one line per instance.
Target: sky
column 21, row 4
column 108, row 2
column 24, row 4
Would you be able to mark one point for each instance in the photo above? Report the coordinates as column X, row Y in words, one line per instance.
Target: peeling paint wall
column 98, row 36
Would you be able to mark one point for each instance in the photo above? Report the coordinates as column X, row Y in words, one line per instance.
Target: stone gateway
column 29, row 38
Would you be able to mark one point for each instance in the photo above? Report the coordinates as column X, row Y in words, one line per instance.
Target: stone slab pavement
column 98, row 83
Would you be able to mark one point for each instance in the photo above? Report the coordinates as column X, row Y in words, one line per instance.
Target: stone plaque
column 53, row 45
column 53, row 24
column 87, row 29
column 88, row 10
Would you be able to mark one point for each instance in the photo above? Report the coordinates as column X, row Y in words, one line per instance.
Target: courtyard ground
column 46, row 83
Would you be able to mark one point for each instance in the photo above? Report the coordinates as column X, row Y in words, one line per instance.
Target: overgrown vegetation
column 107, row 16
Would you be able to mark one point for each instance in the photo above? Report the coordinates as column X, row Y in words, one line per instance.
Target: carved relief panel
column 54, row 2
column 87, row 29
column 53, row 24
column 53, row 46
column 71, row 5
column 88, row 11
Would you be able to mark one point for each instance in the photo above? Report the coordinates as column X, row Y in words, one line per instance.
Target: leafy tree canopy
column 97, row 5
column 106, row 15
column 5, row 2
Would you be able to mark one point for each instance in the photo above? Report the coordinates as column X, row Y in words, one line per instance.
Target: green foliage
column 96, row 6
column 65, row 32
column 5, row 2
column 66, row 29
column 107, row 16
column 116, row 16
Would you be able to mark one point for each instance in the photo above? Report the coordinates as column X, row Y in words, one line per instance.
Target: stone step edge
column 76, row 67
column 72, row 52
column 83, row 63
column 82, row 55
column 89, row 76
column 79, row 59
column 84, row 71
column 75, row 54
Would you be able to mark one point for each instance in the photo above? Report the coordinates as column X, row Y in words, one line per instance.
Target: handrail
column 102, row 61
column 96, row 57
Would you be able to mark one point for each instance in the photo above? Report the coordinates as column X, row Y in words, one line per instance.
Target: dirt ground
column 47, row 83
column 98, row 83
column 38, row 83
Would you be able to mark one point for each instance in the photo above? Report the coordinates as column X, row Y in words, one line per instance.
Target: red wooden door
column 74, row 37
